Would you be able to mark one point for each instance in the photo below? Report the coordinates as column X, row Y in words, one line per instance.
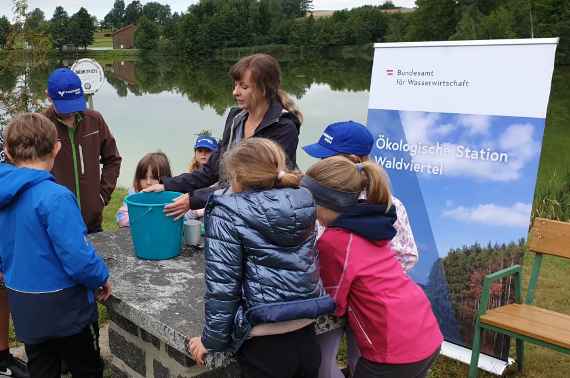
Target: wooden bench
column 523, row 321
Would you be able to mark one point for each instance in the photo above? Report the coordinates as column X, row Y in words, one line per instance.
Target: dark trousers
column 290, row 355
column 80, row 352
column 369, row 369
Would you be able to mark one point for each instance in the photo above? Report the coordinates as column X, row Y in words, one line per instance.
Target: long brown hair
column 340, row 173
column 259, row 163
column 158, row 164
column 266, row 74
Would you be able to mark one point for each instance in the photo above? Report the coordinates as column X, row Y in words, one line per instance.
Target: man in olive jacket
column 89, row 161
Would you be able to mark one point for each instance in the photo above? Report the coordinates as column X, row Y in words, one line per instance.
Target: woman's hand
column 178, row 207
column 197, row 350
column 154, row 188
column 104, row 292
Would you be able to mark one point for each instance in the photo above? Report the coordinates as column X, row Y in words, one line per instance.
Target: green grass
column 99, row 40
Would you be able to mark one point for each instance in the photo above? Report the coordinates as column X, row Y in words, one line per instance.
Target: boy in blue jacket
column 51, row 270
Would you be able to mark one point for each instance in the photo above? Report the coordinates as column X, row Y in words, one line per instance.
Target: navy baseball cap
column 206, row 142
column 347, row 137
column 66, row 92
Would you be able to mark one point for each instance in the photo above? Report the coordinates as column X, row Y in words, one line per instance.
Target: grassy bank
column 102, row 39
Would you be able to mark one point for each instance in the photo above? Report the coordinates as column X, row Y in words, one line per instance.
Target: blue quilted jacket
column 261, row 264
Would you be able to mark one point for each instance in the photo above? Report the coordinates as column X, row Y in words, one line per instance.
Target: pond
column 161, row 103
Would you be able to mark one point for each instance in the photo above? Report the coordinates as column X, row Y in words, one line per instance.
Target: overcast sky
column 101, row 7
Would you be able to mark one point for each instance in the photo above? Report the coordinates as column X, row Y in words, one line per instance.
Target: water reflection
column 159, row 103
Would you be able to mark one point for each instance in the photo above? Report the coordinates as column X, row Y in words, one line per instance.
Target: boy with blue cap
column 89, row 161
column 354, row 141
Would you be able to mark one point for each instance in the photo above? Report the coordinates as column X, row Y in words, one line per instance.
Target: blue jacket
column 49, row 266
column 261, row 264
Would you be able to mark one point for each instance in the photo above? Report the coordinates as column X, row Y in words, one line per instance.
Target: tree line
column 61, row 30
column 212, row 24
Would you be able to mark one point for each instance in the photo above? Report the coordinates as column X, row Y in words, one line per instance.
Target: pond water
column 161, row 103
column 152, row 107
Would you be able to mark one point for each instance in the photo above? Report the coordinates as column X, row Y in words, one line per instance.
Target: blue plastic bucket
column 155, row 235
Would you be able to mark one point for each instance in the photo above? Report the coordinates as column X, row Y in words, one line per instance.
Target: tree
column 434, row 20
column 388, row 5
column 5, row 29
column 147, row 34
column 35, row 22
column 156, row 12
column 81, row 28
column 133, row 12
column 116, row 16
column 59, row 28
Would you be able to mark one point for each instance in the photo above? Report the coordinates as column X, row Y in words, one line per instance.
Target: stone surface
column 181, row 358
column 122, row 322
column 117, row 373
column 150, row 338
column 159, row 370
column 165, row 298
column 128, row 352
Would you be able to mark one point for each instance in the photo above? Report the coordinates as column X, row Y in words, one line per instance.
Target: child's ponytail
column 259, row 164
column 343, row 174
column 376, row 183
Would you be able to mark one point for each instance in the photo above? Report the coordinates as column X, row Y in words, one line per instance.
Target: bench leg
column 473, row 367
column 520, row 354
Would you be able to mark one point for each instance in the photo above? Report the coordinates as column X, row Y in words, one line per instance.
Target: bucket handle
column 132, row 221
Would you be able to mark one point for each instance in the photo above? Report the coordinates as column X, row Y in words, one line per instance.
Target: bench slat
column 550, row 237
column 531, row 321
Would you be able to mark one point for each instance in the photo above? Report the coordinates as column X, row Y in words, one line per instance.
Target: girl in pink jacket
column 392, row 319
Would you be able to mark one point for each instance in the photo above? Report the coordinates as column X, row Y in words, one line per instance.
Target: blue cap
column 206, row 142
column 342, row 138
column 66, row 92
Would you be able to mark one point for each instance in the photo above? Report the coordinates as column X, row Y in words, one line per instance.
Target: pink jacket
column 389, row 314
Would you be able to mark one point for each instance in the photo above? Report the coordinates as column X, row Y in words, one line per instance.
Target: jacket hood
column 286, row 217
column 275, row 112
column 14, row 181
column 368, row 220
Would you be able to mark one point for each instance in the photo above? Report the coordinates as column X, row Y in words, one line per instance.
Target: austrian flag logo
column 389, row 71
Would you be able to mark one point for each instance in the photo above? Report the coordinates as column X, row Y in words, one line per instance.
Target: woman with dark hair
column 264, row 110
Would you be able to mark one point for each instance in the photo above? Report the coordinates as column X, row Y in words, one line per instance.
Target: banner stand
column 488, row 363
column 458, row 127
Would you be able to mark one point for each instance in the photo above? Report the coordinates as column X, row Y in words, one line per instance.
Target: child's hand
column 104, row 292
column 154, row 188
column 197, row 350
column 178, row 207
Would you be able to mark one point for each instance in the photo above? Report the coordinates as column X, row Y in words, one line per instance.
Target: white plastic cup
column 192, row 230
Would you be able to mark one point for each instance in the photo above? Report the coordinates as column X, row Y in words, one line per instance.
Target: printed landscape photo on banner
column 467, row 182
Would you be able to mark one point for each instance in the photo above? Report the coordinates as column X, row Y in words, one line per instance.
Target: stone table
column 154, row 307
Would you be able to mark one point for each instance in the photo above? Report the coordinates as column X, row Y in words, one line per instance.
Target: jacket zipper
column 71, row 132
column 81, row 160
column 360, row 326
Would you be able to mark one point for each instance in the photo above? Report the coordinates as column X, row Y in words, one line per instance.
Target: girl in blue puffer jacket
column 263, row 289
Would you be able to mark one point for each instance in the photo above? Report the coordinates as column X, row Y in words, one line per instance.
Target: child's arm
column 404, row 244
column 122, row 216
column 334, row 256
column 224, row 275
column 67, row 233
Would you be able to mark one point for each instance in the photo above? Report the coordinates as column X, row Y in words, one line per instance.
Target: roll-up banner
column 458, row 127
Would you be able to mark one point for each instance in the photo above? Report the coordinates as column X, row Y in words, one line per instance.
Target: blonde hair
column 259, row 163
column 194, row 164
column 340, row 173
column 30, row 136
column 266, row 74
